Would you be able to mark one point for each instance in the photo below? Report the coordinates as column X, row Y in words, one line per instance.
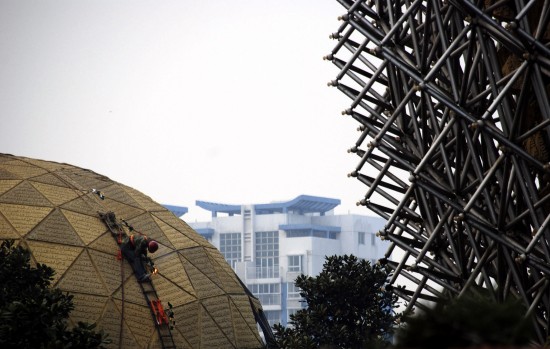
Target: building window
column 273, row 317
column 295, row 264
column 373, row 239
column 298, row 233
column 267, row 254
column 230, row 247
column 319, row 234
column 293, row 291
column 361, row 238
column 268, row 294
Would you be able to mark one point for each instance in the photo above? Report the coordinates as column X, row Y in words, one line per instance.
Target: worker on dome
column 135, row 248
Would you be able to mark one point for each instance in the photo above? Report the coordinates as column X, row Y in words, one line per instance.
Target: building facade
column 269, row 245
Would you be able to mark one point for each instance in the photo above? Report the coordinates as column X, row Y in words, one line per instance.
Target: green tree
column 32, row 314
column 472, row 320
column 347, row 307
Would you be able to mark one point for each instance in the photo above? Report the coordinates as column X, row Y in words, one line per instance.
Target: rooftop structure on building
column 178, row 211
column 270, row 244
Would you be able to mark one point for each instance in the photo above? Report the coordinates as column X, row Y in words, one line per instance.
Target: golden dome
column 53, row 210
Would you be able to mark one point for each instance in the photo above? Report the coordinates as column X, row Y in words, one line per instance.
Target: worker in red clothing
column 135, row 248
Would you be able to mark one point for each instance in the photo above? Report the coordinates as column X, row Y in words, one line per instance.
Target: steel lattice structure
column 452, row 101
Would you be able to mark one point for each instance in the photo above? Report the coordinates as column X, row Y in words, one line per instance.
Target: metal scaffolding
column 452, row 98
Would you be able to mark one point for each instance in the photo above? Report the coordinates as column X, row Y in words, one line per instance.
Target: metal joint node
column 343, row 17
column 513, row 25
column 521, row 258
column 412, row 267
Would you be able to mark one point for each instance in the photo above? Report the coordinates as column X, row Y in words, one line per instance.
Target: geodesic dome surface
column 52, row 209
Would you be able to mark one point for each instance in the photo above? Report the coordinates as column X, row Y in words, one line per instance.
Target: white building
column 268, row 245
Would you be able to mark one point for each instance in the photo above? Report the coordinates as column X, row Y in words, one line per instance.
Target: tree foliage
column 347, row 307
column 472, row 320
column 32, row 314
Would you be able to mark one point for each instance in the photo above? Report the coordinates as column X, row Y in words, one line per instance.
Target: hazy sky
column 223, row 101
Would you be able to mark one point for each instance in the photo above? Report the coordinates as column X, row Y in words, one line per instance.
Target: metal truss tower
column 452, row 101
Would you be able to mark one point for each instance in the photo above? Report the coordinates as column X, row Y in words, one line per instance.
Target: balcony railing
column 269, row 299
column 262, row 272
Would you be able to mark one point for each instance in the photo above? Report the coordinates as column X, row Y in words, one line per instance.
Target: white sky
column 213, row 100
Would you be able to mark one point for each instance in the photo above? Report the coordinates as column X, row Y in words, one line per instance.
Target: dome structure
column 54, row 209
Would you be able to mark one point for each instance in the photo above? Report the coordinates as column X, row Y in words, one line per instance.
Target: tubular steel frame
column 452, row 101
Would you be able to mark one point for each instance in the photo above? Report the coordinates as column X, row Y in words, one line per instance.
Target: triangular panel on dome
column 55, row 228
column 121, row 210
column 130, row 292
column 87, row 227
column 189, row 323
column 88, row 308
column 52, row 179
column 55, row 194
column 24, row 218
column 7, row 184
column 105, row 243
column 139, row 320
column 143, row 200
column 145, row 224
column 4, row 175
column 23, row 170
column 47, row 165
column 179, row 283
column 84, row 179
column 110, row 269
column 176, row 238
column 218, row 308
column 59, row 257
column 211, row 334
column 85, row 204
column 225, row 273
column 82, row 276
column 170, row 219
column 6, row 230
column 25, row 194
column 202, row 284
column 115, row 192
column 172, row 265
column 199, row 257
column 241, row 313
column 178, row 224
column 112, row 323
